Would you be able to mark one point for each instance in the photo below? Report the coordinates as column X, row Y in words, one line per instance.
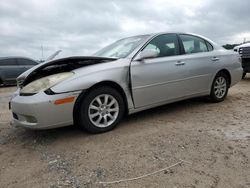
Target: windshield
column 121, row 48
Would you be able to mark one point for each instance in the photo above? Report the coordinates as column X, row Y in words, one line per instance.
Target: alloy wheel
column 220, row 87
column 103, row 110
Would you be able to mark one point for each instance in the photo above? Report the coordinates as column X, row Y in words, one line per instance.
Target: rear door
column 201, row 63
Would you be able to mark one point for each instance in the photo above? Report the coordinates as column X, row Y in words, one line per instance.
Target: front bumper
column 39, row 111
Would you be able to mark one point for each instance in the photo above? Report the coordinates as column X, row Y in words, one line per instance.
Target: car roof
column 215, row 45
column 168, row 32
column 173, row 32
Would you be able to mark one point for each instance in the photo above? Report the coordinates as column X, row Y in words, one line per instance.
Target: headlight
column 45, row 83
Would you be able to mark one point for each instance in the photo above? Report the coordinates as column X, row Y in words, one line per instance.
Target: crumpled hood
column 59, row 65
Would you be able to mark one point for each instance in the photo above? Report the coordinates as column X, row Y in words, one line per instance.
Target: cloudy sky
column 80, row 27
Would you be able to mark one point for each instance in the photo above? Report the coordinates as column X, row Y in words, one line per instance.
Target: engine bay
column 63, row 65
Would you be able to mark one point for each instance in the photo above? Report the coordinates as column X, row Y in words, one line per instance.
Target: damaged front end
column 46, row 75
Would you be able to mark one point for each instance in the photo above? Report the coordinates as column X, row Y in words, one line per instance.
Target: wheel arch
column 112, row 84
column 225, row 71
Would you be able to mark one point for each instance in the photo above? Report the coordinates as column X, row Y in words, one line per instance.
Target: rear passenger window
column 8, row 62
column 193, row 44
column 26, row 62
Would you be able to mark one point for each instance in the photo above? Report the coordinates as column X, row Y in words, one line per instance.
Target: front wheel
column 100, row 110
column 219, row 88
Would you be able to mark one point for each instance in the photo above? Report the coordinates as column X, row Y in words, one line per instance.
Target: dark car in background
column 12, row 67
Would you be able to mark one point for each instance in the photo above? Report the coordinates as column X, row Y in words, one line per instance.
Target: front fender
column 86, row 77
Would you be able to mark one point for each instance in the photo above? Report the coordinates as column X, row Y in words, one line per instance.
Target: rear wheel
column 219, row 88
column 100, row 110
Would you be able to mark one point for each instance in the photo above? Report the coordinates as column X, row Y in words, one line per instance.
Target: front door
column 159, row 79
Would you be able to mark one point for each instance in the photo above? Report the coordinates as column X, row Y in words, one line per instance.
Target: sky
column 81, row 27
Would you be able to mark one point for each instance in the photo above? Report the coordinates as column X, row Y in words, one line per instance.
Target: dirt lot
column 214, row 138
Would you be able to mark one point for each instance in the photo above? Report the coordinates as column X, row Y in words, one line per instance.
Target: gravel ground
column 214, row 139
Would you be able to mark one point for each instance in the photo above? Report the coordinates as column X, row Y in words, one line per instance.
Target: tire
column 244, row 75
column 92, row 111
column 219, row 87
column 1, row 82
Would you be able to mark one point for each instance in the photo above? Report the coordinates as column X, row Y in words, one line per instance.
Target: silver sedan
column 130, row 75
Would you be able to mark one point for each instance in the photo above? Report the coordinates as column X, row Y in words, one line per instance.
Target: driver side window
column 165, row 45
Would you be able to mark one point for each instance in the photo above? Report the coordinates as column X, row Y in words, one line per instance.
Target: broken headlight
column 45, row 83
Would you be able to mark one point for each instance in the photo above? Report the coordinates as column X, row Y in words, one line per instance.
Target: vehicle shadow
column 44, row 137
column 167, row 109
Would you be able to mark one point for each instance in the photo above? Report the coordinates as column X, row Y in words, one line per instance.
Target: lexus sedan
column 128, row 76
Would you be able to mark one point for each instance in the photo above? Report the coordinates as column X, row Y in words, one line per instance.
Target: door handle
column 179, row 63
column 215, row 59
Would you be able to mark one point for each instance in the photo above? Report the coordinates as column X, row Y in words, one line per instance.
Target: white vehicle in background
column 244, row 51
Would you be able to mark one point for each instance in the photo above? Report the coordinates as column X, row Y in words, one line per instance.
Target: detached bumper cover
column 39, row 111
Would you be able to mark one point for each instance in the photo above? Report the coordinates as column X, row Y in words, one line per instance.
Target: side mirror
column 146, row 54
